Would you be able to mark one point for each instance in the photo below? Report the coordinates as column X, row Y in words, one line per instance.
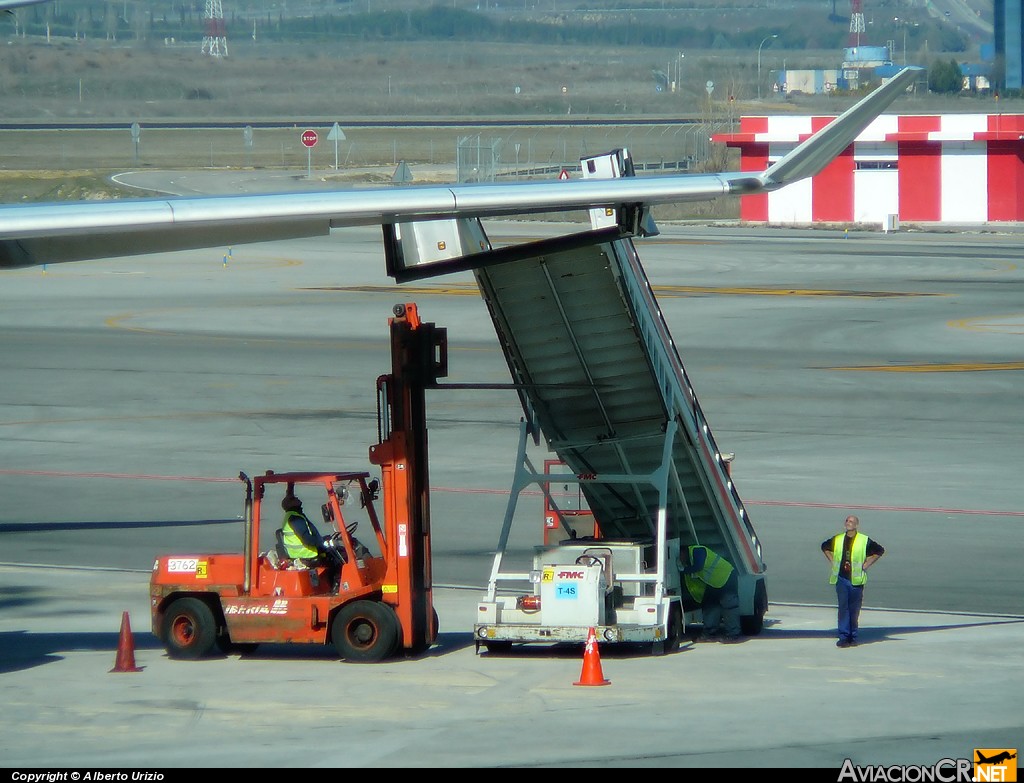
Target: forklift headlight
column 535, row 577
column 609, row 635
column 481, row 632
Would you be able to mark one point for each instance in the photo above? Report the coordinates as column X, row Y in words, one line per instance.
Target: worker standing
column 851, row 554
column 712, row 582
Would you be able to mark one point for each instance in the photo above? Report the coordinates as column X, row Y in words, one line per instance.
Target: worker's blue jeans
column 850, row 598
column 721, row 608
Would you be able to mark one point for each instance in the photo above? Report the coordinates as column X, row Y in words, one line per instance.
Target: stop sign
column 309, row 138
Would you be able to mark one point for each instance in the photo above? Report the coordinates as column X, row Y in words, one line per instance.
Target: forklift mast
column 419, row 356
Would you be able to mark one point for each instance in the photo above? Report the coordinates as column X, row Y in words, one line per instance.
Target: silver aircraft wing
column 7, row 5
column 34, row 234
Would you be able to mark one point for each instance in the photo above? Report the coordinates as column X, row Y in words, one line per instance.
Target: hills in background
column 82, row 59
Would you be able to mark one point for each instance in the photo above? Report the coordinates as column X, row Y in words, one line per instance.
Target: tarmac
column 121, row 375
column 919, row 689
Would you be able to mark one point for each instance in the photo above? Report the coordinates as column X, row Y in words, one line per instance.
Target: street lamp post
column 768, row 38
column 902, row 23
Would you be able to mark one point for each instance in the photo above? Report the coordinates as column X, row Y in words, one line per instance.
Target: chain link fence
column 512, row 152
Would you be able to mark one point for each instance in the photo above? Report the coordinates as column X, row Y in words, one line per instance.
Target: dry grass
column 94, row 81
column 97, row 81
column 38, row 166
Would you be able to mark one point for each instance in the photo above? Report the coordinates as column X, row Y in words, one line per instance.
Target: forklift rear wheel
column 190, row 630
column 365, row 631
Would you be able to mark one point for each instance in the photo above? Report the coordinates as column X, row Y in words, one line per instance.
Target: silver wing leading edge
column 34, row 234
column 7, row 5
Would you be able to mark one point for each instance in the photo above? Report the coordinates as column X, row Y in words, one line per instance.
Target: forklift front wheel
column 365, row 631
column 190, row 629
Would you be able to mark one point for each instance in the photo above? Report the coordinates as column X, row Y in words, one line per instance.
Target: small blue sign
column 567, row 591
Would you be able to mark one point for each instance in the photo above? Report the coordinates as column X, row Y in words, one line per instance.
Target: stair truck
column 600, row 380
column 381, row 603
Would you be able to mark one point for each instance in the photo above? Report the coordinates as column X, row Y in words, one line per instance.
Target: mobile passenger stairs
column 599, row 377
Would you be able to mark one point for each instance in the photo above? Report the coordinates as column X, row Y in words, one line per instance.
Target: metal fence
column 520, row 151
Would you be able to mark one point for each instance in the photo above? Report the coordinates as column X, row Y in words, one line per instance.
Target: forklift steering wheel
column 588, row 560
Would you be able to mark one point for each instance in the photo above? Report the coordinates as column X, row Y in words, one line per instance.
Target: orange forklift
column 372, row 601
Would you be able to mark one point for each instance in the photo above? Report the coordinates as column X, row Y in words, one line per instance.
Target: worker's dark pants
column 721, row 608
column 850, row 597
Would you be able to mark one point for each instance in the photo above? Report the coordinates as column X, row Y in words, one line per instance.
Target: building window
column 872, row 165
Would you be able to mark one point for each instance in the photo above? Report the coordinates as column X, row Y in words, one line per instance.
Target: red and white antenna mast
column 215, row 41
column 856, row 23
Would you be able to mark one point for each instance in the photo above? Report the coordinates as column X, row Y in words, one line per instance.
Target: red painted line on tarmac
column 469, row 491
column 70, row 474
column 887, row 508
column 795, row 504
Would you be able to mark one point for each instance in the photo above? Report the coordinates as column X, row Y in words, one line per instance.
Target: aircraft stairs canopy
column 599, row 376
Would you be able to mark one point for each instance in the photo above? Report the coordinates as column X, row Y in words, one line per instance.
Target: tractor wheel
column 365, row 631
column 753, row 624
column 670, row 643
column 675, row 628
column 190, row 630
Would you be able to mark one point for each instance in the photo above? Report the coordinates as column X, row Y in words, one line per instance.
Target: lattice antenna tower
column 856, row 22
column 215, row 41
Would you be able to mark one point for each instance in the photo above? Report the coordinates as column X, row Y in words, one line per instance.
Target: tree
column 945, row 77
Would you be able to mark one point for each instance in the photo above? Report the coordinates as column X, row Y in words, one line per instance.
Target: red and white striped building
column 948, row 168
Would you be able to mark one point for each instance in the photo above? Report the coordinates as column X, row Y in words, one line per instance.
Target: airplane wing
column 7, row 5
column 35, row 234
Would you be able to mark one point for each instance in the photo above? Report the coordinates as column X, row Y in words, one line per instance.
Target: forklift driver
column 303, row 542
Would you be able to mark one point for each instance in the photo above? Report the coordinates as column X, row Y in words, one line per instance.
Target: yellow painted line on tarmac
column 455, row 289
column 756, row 291
column 470, row 289
column 1003, row 324
column 121, row 322
column 948, row 367
column 188, row 415
column 512, row 241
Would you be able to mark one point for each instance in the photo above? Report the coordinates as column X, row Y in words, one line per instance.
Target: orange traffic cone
column 125, row 648
column 592, row 674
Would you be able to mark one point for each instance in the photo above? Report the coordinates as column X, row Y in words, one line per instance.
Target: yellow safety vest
column 715, row 573
column 857, row 554
column 293, row 545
